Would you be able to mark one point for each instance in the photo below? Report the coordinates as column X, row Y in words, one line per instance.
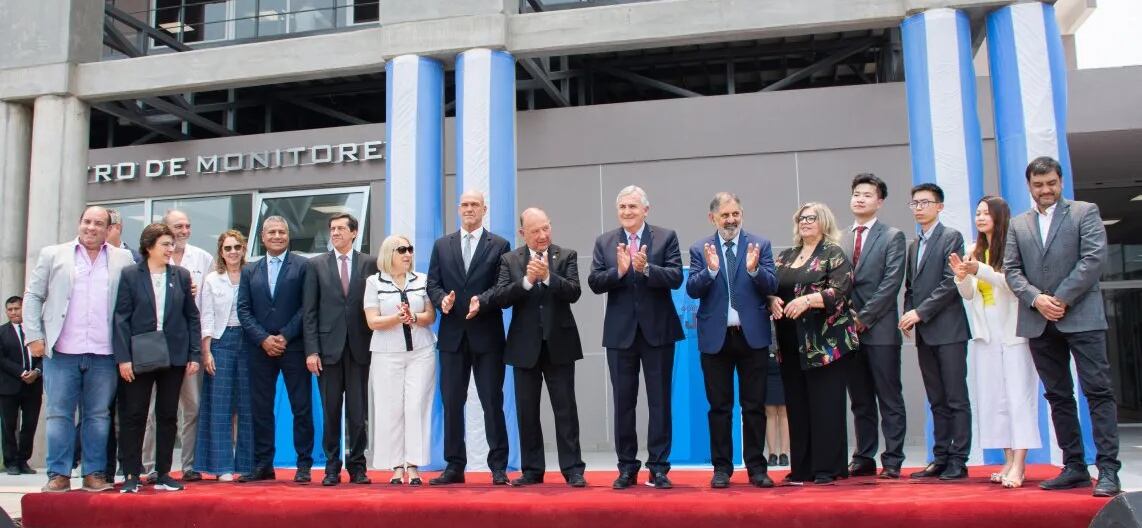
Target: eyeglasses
column 808, row 219
column 401, row 250
column 227, row 249
column 921, row 204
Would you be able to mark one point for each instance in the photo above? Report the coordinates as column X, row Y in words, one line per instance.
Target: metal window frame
column 260, row 197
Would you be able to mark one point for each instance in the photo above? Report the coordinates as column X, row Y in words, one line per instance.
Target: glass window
column 193, row 20
column 360, row 11
column 308, row 212
column 209, row 216
column 311, row 15
column 271, row 17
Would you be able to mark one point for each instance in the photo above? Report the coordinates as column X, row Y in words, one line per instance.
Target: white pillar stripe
column 947, row 114
column 1035, row 81
column 403, row 142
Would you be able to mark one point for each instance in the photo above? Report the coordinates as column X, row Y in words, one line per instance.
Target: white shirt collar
column 868, row 225
column 1050, row 210
column 338, row 254
column 479, row 232
column 722, row 241
column 640, row 231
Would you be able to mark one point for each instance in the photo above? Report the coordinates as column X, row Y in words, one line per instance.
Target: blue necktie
column 275, row 268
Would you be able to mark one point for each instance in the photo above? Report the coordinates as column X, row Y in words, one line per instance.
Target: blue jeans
column 86, row 382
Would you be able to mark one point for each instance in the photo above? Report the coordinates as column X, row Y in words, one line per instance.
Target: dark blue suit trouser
column 658, row 363
column 299, row 386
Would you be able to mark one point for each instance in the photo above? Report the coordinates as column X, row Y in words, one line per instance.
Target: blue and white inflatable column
column 486, row 162
column 943, row 124
column 1029, row 89
column 414, row 167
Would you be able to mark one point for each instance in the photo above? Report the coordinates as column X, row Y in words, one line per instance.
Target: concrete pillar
column 57, row 189
column 15, row 155
column 486, row 162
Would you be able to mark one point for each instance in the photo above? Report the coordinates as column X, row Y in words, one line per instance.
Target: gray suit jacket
column 876, row 282
column 330, row 319
column 930, row 289
column 49, row 290
column 1068, row 267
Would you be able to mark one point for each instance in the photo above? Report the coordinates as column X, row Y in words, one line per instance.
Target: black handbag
column 149, row 352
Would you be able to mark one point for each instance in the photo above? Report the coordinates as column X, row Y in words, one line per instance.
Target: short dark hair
column 150, row 237
column 352, row 220
column 1043, row 165
column 14, row 299
column 871, row 179
column 930, row 187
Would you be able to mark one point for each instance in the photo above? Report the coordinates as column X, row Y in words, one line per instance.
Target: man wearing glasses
column 933, row 309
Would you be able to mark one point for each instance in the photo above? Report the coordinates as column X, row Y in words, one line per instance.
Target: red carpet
column 853, row 503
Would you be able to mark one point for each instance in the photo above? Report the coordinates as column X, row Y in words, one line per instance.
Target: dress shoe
column 96, row 483
column 302, row 476
column 1070, row 477
column 822, row 480
column 721, row 480
column 933, row 470
column 955, row 471
column 761, row 480
column 890, row 473
column 659, row 481
column 772, row 459
column 25, row 469
column 57, row 484
column 191, row 475
column 862, row 469
column 331, row 479
column 626, row 479
column 258, row 474
column 499, row 477
column 783, row 460
column 576, row 480
column 360, row 478
column 449, row 476
column 12, row 470
column 1108, row 484
column 527, row 480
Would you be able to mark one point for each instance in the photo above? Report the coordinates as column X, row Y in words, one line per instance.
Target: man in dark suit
column 270, row 310
column 337, row 345
column 464, row 265
column 1053, row 261
column 877, row 253
column 932, row 308
column 539, row 282
column 731, row 274
column 637, row 266
column 21, row 391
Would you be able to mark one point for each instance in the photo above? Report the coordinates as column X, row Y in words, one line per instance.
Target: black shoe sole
column 1085, row 484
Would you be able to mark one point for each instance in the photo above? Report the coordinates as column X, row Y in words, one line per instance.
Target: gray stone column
column 57, row 190
column 15, row 155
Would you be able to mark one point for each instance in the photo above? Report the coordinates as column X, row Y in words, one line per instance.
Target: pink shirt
column 87, row 325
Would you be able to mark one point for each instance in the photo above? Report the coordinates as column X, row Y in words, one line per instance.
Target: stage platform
column 852, row 503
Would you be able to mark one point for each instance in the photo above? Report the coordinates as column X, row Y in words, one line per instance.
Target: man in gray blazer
column 877, row 253
column 932, row 307
column 1053, row 260
column 68, row 309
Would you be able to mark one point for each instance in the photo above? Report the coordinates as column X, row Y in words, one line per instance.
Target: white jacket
column 1006, row 305
column 217, row 297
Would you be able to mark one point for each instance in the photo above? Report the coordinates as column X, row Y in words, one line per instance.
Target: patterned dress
column 821, row 335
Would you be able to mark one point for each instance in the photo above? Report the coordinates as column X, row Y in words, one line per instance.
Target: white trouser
column 1007, row 388
column 401, row 386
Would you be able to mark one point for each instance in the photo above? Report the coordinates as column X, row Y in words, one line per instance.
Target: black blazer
column 636, row 300
column 930, row 289
column 135, row 314
column 12, row 362
column 551, row 302
column 261, row 315
column 329, row 317
column 446, row 273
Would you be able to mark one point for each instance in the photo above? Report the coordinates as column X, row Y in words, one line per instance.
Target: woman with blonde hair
column 402, row 375
column 225, row 424
column 815, row 335
column 1006, row 381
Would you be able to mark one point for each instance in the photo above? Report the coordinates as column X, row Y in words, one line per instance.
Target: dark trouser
column 456, row 370
column 134, row 404
column 263, row 385
column 1052, row 352
column 658, row 364
column 944, row 369
column 561, row 389
column 752, row 366
column 346, row 381
column 22, row 408
column 874, row 380
column 815, row 401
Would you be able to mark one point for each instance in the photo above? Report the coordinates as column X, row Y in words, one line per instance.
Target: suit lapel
column 168, row 302
column 1032, row 217
column 482, row 246
column 1061, row 211
column 648, row 235
column 334, row 271
column 456, row 244
column 913, row 249
column 869, row 242
column 848, row 242
column 264, row 269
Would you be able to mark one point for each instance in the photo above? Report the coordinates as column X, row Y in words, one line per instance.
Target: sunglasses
column 227, row 249
column 401, row 250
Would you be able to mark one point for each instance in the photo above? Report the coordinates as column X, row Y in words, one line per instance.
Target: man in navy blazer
column 462, row 275
column 270, row 297
column 731, row 273
column 637, row 265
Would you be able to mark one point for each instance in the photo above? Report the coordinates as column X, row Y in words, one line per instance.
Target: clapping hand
column 712, row 261
column 752, row 257
column 639, row 260
column 622, row 258
column 448, row 301
column 537, row 270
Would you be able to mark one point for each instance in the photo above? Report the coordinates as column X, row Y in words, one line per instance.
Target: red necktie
column 856, row 249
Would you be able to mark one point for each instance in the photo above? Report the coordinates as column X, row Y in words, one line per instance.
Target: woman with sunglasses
column 815, row 334
column 222, row 449
column 402, row 374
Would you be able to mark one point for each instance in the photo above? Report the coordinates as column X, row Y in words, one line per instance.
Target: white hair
column 633, row 189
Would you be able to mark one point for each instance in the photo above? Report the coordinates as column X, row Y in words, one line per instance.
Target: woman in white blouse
column 222, row 449
column 1006, row 381
column 402, row 376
